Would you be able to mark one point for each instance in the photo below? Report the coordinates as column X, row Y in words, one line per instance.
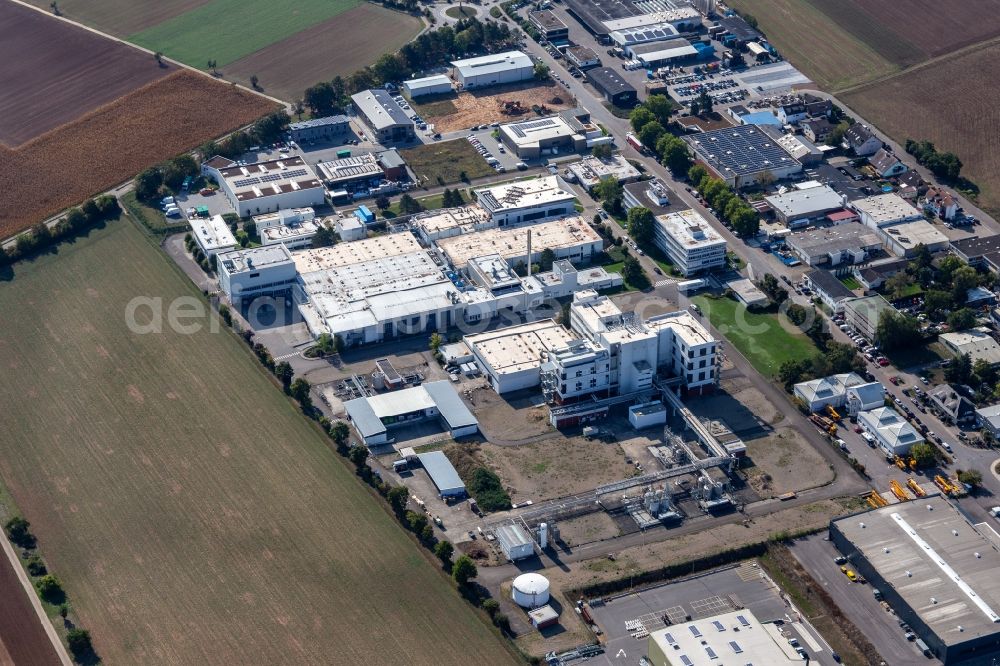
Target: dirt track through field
column 54, row 72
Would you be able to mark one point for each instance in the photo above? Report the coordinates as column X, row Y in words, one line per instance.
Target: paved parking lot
column 857, row 601
column 705, row 595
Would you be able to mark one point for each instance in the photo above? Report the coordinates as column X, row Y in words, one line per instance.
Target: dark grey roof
column 441, row 471
column 857, row 134
column 977, row 246
column 608, row 81
column 741, row 150
column 450, row 405
column 739, row 28
column 828, row 283
column 949, row 400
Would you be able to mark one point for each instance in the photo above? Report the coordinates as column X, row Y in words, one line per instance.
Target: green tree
column 633, row 274
column 963, row 319
column 696, row 173
column 325, row 344
column 674, row 154
column 640, row 225
column 300, row 391
column 389, row 68
column 603, row 151
column 963, row 279
column 271, row 127
column 408, row 205
column 382, row 202
column 444, row 550
column 959, row 370
column 80, row 646
column 935, row 302
column 661, row 107
column 897, row 331
column 340, row 432
column 436, row 341
column 640, row 117
column 321, row 99
column 924, row 454
column 492, row 607
column 50, row 589
column 398, row 497
column 971, row 477
column 324, row 237
column 18, row 531
column 464, row 570
column 650, row 134
column 705, row 103
column 147, row 184
column 283, row 371
column 358, row 455
column 610, row 191
column 541, row 71
column 745, row 221
column 898, row 284
column 985, row 371
column 548, row 257
column 254, row 81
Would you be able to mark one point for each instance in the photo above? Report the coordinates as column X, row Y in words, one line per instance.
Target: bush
column 78, row 641
column 35, row 566
column 50, row 589
column 490, row 495
column 18, row 532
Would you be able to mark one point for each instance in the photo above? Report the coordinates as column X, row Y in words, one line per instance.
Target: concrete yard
column 704, row 595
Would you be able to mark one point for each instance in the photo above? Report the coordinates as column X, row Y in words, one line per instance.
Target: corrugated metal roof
column 448, row 402
column 364, row 418
column 441, row 471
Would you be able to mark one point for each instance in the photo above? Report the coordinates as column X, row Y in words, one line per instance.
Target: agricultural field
column 120, row 18
column 192, row 513
column 22, row 638
column 227, row 30
column 823, row 50
column 961, row 116
column 446, row 162
column 111, row 144
column 766, row 340
column 286, row 68
column 76, row 72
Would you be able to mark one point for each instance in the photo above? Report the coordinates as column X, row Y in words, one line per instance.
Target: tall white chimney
column 529, row 252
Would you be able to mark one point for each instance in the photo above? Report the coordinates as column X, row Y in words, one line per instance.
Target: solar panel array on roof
column 742, row 150
column 519, row 129
column 743, row 620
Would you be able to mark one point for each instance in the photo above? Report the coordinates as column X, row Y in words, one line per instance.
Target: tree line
column 727, row 205
column 650, row 121
column 92, row 213
column 945, row 166
column 431, row 49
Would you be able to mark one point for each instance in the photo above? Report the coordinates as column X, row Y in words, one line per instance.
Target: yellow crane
column 915, row 487
column 898, row 491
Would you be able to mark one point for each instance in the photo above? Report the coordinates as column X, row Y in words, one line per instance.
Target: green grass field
column 227, row 30
column 761, row 338
column 850, row 282
column 193, row 515
column 444, row 163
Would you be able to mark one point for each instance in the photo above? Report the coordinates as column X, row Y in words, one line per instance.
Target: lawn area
column 615, row 263
column 430, row 202
column 850, row 282
column 444, row 163
column 192, row 513
column 762, row 338
column 152, row 218
column 227, row 30
column 460, row 12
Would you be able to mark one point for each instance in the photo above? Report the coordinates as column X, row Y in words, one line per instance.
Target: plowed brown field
column 53, row 72
column 116, row 141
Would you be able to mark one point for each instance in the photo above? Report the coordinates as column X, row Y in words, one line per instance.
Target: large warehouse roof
column 740, row 151
column 668, row 50
column 492, row 64
column 736, row 638
column 442, row 472
column 380, row 108
column 934, row 558
column 810, row 201
column 511, row 243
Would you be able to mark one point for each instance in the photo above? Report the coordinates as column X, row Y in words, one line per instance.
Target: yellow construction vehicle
column 876, row 500
column 913, row 463
column 900, row 463
column 832, row 412
column 898, row 491
column 943, row 484
column 915, row 487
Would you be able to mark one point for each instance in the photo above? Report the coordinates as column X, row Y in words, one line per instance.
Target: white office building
column 264, row 187
column 212, row 234
column 689, row 242
column 893, row 434
column 526, row 201
column 883, row 210
column 494, row 69
column 293, row 227
column 581, row 368
column 569, row 238
column 260, row 271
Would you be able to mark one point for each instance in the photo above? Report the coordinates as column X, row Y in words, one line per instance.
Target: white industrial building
column 531, row 139
column 386, row 119
column 729, row 639
column 264, row 187
column 797, row 207
column 569, row 238
column 581, row 368
column 902, row 240
column 976, row 342
column 350, row 228
column 494, row 69
column 818, row 394
column 628, row 36
column 212, row 234
column 863, row 314
column 659, row 54
column 530, row 590
column 526, row 201
column 447, row 222
column 647, row 415
column 690, row 243
column 681, row 15
column 292, row 227
column 590, row 171
column 565, row 280
column 442, row 473
column 883, row 210
column 511, row 357
column 260, row 271
column 374, row 416
column 438, row 84
column 515, row 542
column 893, row 434
column 849, row 243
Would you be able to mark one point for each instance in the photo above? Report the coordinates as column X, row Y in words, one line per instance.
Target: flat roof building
column 442, row 473
column 569, row 238
column 690, row 243
column 903, row 239
column 526, row 201
column 494, row 69
column 748, row 293
column 864, row 313
column 531, row 139
column 355, row 173
column 592, row 170
column 293, row 227
column 643, row 34
column 263, row 187
column 447, row 222
column 604, row 18
column 375, row 415
column 883, row 210
column 583, row 57
column 978, row 250
column 935, row 568
column 736, row 638
column 261, row 271
column 818, row 394
column 797, row 207
column 741, row 155
column 653, row 195
column 511, row 357
column 848, row 243
column 659, row 54
column 212, row 234
column 549, row 25
column 612, row 86
column 515, row 542
column 319, row 128
column 439, row 84
column 977, row 343
column 383, row 116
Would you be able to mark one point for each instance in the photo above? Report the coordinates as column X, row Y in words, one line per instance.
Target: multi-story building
column 581, row 368
column 689, row 242
column 526, row 201
column 264, row 187
column 260, row 271
column 212, row 234
column 549, row 25
column 863, row 314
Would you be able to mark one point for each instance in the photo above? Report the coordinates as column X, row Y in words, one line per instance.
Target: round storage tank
column 531, row 590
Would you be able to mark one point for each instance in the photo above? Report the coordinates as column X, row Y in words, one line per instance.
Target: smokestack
column 529, row 252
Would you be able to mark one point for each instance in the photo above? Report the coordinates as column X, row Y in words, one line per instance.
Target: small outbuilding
column 442, row 473
column 515, row 542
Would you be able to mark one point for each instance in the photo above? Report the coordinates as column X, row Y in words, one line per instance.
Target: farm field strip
column 192, row 513
column 286, row 68
column 227, row 30
column 113, row 143
column 120, row 17
column 77, row 71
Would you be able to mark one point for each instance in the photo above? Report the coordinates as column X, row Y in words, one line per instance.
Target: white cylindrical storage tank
column 543, row 535
column 530, row 590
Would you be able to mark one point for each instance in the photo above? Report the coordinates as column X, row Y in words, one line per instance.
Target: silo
column 530, row 590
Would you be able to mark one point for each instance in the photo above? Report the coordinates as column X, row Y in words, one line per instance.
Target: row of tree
column 946, row 166
column 430, row 49
column 728, row 206
column 650, row 121
column 40, row 237
column 833, row 359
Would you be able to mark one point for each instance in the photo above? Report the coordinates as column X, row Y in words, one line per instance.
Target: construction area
column 454, row 112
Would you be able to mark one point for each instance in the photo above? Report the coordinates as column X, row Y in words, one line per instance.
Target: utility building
column 495, row 69
column 386, row 119
column 264, row 187
column 935, row 568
